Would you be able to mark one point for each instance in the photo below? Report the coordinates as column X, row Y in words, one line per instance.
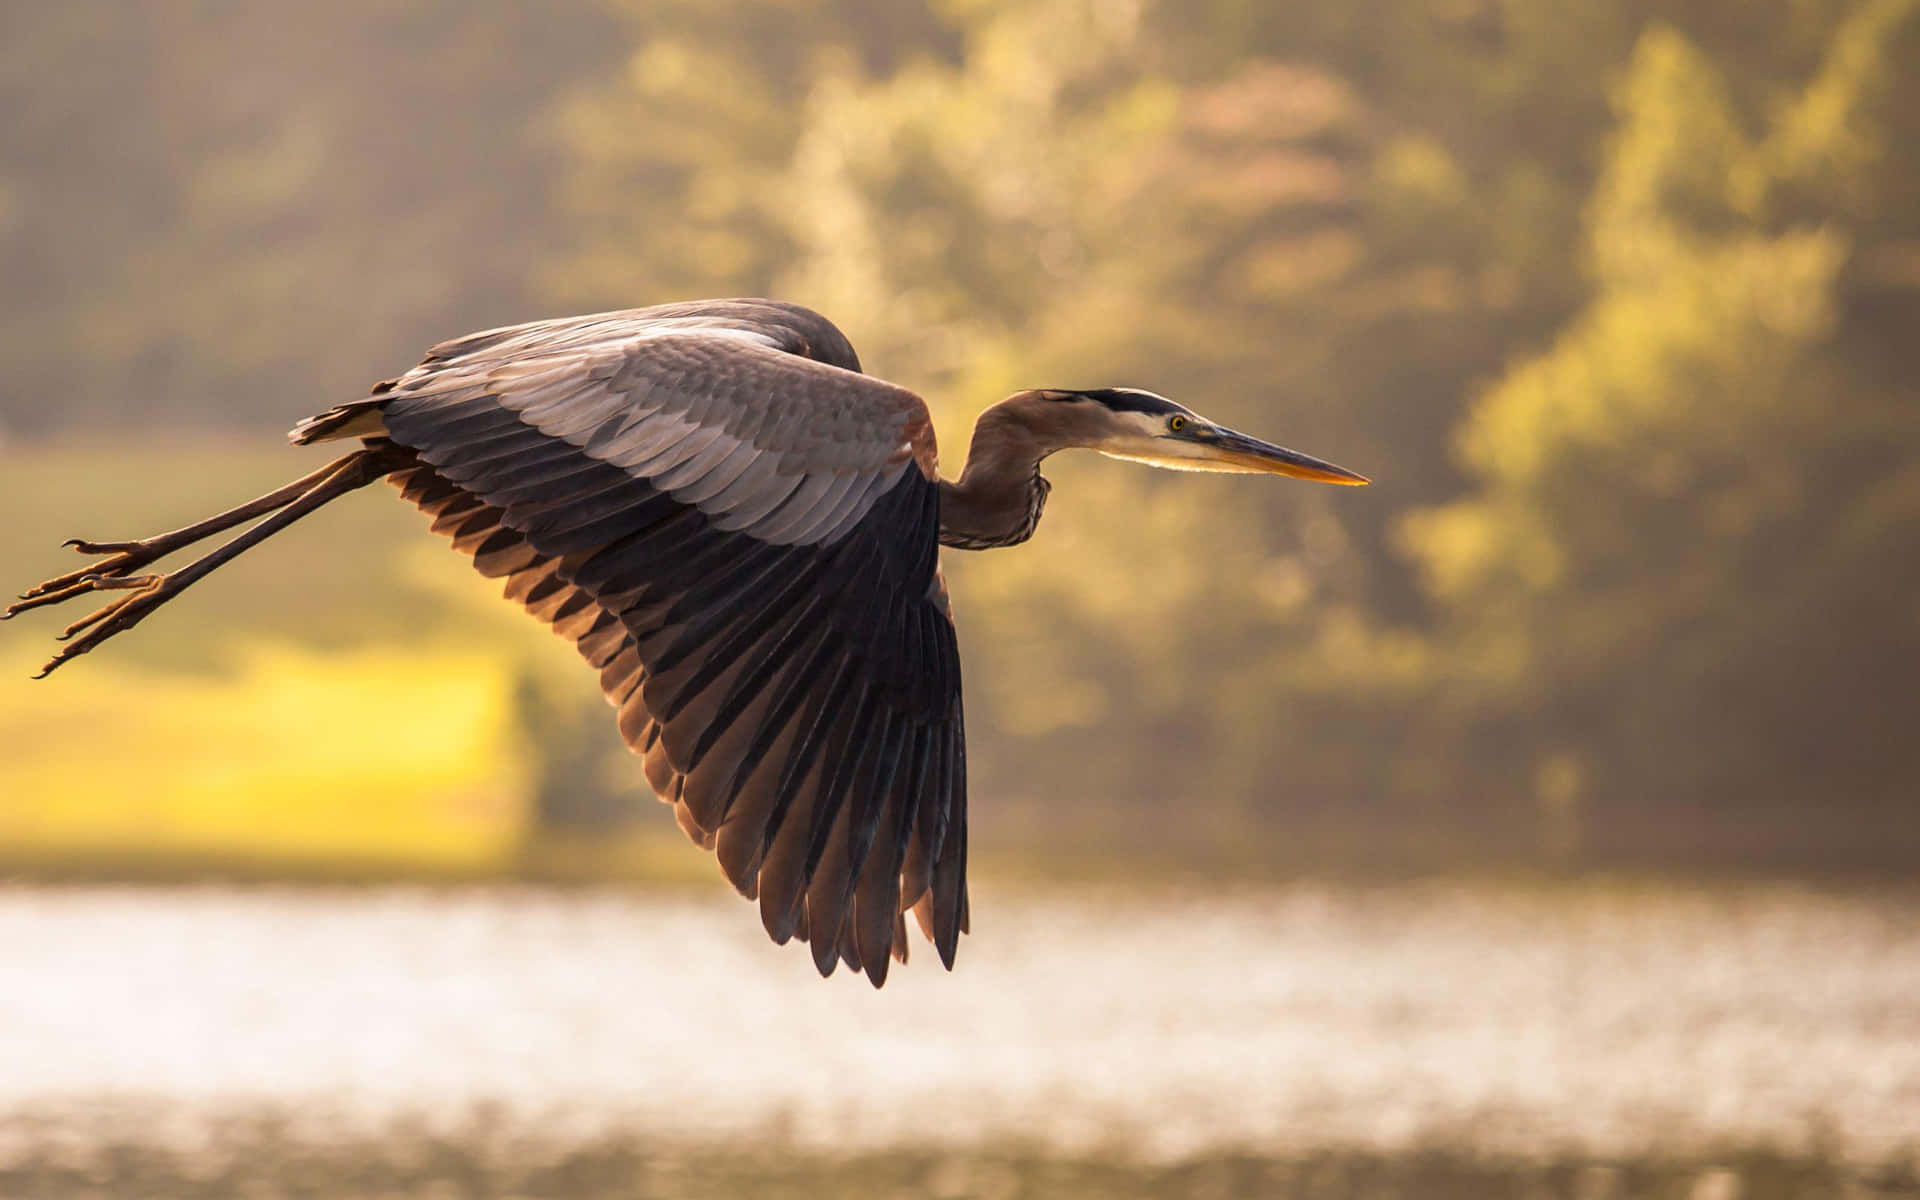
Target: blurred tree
column 200, row 203
column 581, row 784
column 1329, row 225
column 676, row 185
column 1694, row 545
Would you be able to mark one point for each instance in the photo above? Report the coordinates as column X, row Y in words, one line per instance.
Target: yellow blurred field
column 361, row 757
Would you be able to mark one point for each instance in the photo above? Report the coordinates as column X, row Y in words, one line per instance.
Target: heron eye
column 1176, row 424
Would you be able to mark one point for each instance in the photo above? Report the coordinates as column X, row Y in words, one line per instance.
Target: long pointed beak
column 1240, row 452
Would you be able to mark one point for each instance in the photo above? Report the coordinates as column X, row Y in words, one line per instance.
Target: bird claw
column 86, row 547
column 113, row 573
column 51, row 592
column 146, row 593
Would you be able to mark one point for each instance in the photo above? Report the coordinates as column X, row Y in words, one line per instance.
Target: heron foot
column 115, row 572
column 124, row 557
column 144, row 594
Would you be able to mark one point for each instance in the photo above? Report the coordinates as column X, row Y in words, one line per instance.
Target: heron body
column 740, row 532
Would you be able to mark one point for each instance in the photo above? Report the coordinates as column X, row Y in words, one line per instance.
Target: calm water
column 1578, row 1020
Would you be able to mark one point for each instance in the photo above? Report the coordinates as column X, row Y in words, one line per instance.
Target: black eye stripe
column 1123, row 400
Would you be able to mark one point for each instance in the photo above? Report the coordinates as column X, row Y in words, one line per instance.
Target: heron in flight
column 740, row 532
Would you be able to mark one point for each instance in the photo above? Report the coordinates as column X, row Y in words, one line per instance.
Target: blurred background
column 1539, row 820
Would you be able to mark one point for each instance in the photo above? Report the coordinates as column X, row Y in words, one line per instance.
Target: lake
column 1605, row 1022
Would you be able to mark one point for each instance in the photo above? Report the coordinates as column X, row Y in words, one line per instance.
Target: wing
column 743, row 540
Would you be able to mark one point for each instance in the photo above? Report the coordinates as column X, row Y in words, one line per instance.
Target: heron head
column 1139, row 426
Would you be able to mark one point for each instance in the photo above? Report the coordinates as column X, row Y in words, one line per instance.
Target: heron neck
column 999, row 496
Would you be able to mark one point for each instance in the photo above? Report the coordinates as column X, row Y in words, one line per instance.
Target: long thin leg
column 128, row 555
column 148, row 592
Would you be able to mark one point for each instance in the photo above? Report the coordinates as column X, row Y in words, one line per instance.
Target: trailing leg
column 148, row 592
column 128, row 555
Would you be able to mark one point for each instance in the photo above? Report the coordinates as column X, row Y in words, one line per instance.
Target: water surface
column 1586, row 1020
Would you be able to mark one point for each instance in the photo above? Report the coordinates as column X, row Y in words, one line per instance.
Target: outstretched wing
column 742, row 536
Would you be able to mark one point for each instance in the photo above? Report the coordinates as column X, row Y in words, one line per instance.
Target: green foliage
column 676, row 183
column 1332, row 226
column 1691, row 554
column 1005, row 216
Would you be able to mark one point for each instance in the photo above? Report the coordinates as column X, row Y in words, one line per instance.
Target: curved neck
column 1000, row 493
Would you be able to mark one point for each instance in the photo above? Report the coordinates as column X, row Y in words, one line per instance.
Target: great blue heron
column 740, row 532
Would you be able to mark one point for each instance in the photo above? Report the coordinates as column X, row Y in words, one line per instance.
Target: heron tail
column 358, row 418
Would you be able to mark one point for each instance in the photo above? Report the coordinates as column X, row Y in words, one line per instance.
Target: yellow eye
column 1176, row 424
